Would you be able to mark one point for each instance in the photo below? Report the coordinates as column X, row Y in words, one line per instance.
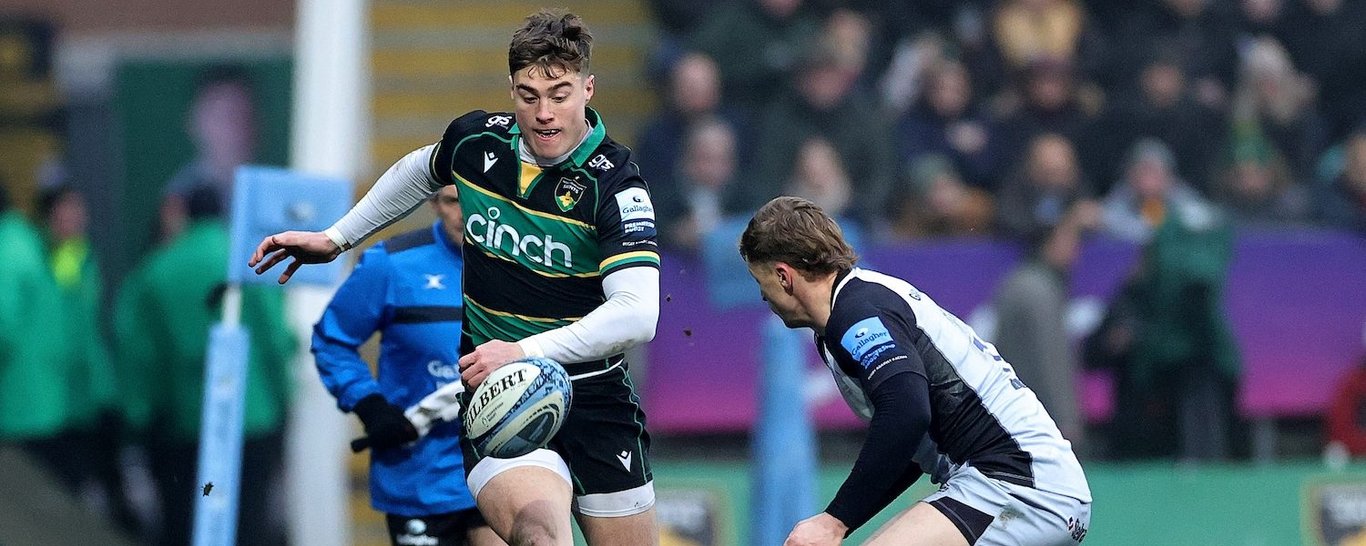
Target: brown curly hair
column 554, row 41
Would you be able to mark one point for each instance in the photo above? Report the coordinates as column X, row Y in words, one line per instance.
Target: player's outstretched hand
column 306, row 247
column 819, row 530
column 481, row 362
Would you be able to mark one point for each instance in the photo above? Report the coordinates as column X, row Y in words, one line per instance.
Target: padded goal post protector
column 265, row 201
column 268, row 200
column 783, row 456
column 220, row 438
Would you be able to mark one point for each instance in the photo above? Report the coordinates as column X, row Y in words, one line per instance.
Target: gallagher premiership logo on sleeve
column 637, row 213
column 634, row 204
column 867, row 340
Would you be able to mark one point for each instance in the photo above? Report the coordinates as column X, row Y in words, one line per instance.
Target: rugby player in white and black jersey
column 939, row 400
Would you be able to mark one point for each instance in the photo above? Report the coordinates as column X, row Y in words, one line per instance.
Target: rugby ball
column 518, row 408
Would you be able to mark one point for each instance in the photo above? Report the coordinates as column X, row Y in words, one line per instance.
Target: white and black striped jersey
column 915, row 370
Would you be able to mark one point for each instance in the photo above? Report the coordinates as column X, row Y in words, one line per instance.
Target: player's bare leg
column 483, row 536
column 921, row 525
column 528, row 506
column 634, row 530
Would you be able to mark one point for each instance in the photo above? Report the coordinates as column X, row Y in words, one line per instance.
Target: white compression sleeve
column 398, row 191
column 626, row 319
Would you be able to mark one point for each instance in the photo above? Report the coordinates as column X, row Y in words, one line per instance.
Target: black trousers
column 1190, row 414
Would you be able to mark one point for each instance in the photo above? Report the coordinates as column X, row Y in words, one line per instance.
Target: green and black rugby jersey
column 539, row 240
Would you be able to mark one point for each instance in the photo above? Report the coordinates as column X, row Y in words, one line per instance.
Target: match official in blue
column 408, row 289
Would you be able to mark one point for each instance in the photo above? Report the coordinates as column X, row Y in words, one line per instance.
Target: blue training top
column 408, row 288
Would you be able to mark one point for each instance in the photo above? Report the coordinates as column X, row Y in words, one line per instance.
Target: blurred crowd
column 1169, row 124
column 925, row 118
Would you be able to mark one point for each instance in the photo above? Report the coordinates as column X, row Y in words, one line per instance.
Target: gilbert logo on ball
column 518, row 408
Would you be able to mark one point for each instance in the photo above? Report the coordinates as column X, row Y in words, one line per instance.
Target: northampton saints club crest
column 568, row 191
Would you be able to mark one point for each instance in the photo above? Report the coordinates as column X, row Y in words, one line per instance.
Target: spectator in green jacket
column 1169, row 341
column 163, row 317
column 95, row 423
column 35, row 405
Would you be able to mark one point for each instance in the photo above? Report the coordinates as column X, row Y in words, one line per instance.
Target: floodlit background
column 1154, row 208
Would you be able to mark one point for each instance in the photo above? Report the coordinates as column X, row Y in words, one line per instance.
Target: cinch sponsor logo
column 487, row 231
column 501, row 121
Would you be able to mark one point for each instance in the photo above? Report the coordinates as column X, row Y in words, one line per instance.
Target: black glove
column 385, row 424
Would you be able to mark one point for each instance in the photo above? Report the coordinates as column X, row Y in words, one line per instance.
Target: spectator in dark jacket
column 694, row 94
column 1163, row 109
column 1049, row 102
column 704, row 192
column 945, row 121
column 1039, row 194
column 825, row 103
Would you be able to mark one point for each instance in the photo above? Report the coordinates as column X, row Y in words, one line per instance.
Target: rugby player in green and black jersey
column 561, row 261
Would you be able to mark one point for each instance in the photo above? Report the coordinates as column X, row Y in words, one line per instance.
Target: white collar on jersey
column 524, row 151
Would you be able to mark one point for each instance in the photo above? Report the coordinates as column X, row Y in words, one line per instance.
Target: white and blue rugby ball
column 518, row 408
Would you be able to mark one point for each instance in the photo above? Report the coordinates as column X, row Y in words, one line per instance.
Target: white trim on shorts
column 488, row 467
column 619, row 504
column 1020, row 514
column 587, row 375
column 600, row 505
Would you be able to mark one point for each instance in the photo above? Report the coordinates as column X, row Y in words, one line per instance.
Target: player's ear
column 588, row 87
column 512, row 88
